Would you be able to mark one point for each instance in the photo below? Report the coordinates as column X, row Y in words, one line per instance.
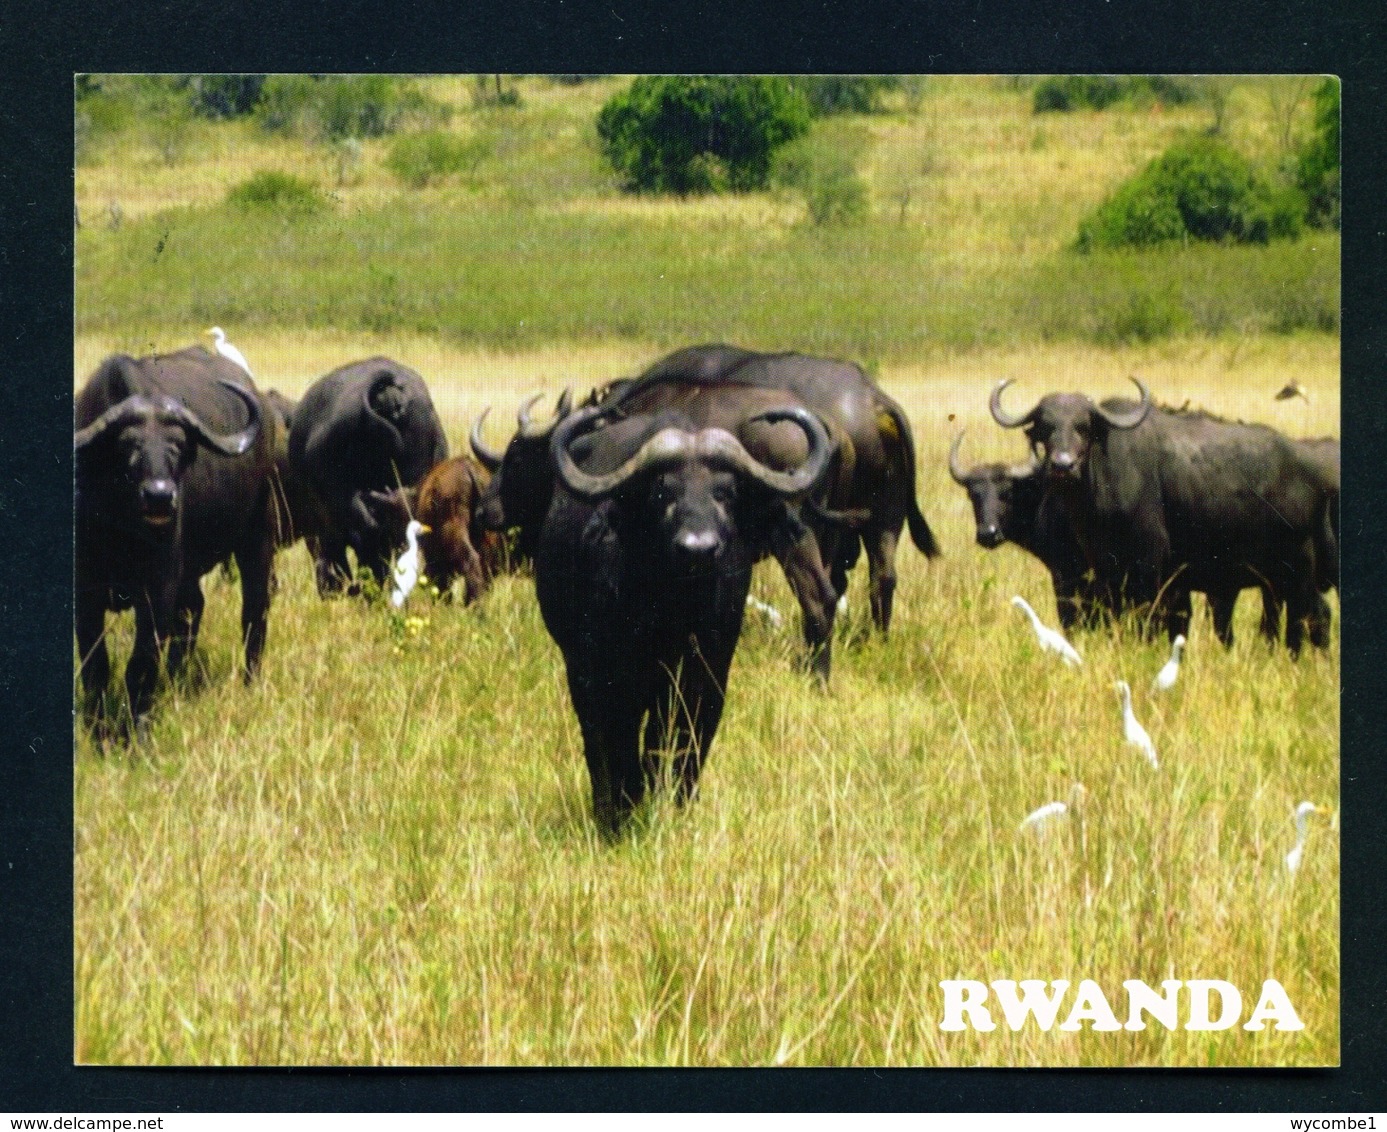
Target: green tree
column 1318, row 171
column 700, row 133
column 1199, row 189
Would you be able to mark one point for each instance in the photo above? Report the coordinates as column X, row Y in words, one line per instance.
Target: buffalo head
column 149, row 442
column 521, row 476
column 685, row 482
column 1002, row 495
column 1064, row 426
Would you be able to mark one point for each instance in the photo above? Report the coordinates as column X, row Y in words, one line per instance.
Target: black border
column 44, row 44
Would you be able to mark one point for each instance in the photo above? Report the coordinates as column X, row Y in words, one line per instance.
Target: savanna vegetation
column 381, row 852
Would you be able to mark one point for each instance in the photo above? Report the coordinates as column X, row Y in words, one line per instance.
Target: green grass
column 963, row 245
column 380, row 858
column 381, row 851
column 518, row 277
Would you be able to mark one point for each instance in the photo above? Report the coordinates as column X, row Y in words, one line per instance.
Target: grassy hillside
column 381, row 851
column 974, row 200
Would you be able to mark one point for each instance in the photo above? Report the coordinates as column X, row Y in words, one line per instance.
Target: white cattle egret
column 1050, row 640
column 1165, row 678
column 1041, row 818
column 1132, row 731
column 227, row 350
column 407, row 565
column 1302, row 830
column 1293, row 389
column 769, row 611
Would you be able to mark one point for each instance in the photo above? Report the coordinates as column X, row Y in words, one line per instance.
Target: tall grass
column 381, row 851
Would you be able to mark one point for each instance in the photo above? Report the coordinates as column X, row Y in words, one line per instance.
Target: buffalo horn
column 528, row 428
column 954, row 469
column 715, row 443
column 228, row 444
column 489, row 459
column 1130, row 419
column 132, row 406
column 670, row 445
column 999, row 415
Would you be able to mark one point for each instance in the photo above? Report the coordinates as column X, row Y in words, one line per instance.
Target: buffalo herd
column 643, row 509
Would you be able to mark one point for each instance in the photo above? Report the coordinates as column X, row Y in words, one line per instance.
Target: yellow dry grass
column 380, row 852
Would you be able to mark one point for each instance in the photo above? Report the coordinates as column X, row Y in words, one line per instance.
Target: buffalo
column 868, row 496
column 367, row 426
column 1323, row 453
column 174, row 456
column 642, row 569
column 522, row 477
column 453, row 543
column 298, row 512
column 1165, row 502
column 1010, row 504
column 875, row 493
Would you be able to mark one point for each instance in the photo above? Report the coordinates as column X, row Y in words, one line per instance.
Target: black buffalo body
column 1010, row 504
column 174, row 458
column 1166, row 502
column 873, row 487
column 867, row 497
column 368, row 426
column 642, row 570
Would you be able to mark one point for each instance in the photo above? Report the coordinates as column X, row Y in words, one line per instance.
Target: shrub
column 1098, row 92
column 833, row 191
column 845, row 94
column 682, row 134
column 272, row 189
column 1198, row 189
column 224, row 96
column 1074, row 92
column 1318, row 171
column 490, row 90
column 332, row 107
column 423, row 158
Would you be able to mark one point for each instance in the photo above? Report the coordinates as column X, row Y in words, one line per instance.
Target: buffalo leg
column 331, row 569
column 474, row 577
column 804, row 570
column 610, row 722
column 96, row 663
column 186, row 623
column 153, row 617
column 1272, row 609
column 1221, row 607
column 703, row 692
column 881, row 559
column 1308, row 614
column 256, row 564
column 1178, row 613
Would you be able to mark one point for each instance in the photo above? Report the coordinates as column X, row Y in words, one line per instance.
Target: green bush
column 1129, row 295
column 1318, row 171
column 278, row 191
column 1098, row 92
column 332, row 107
column 699, row 133
column 825, row 175
column 845, row 94
column 424, row 158
column 1199, row 189
column 223, row 96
